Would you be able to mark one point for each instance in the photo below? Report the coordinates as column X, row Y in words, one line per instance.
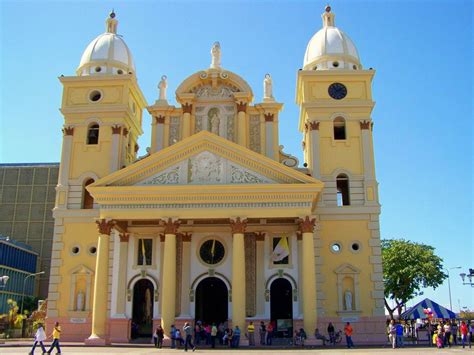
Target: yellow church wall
column 82, row 235
column 345, row 232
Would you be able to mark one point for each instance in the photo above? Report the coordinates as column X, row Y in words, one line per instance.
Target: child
column 40, row 336
column 56, row 335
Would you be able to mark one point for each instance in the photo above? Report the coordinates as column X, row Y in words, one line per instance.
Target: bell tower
column 102, row 107
column 334, row 93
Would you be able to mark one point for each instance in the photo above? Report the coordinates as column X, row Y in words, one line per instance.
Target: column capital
column 124, row 237
column 162, row 237
column 307, row 224
column 68, row 131
column 187, row 107
column 171, row 227
column 116, row 129
column 269, row 117
column 259, row 236
column 186, row 236
column 364, row 124
column 241, row 106
column 313, row 126
column 238, row 225
column 160, row 119
column 125, row 132
column 104, row 226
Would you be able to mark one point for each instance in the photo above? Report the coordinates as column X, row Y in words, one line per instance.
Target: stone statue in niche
column 80, row 301
column 162, row 86
column 206, row 167
column 216, row 56
column 268, row 88
column 348, row 300
column 214, row 120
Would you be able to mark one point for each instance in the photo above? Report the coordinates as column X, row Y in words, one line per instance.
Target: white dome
column 107, row 54
column 330, row 48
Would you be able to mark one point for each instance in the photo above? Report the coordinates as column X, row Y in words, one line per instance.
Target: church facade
column 216, row 223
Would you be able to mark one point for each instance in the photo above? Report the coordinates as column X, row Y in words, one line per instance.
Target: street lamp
column 449, row 286
column 469, row 276
column 3, row 281
column 24, row 283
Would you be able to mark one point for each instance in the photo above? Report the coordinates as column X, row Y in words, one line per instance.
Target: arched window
column 88, row 200
column 340, row 128
column 93, row 134
column 342, row 184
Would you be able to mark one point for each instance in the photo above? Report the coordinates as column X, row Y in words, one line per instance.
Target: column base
column 95, row 340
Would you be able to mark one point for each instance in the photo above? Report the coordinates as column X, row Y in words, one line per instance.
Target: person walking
column 262, row 330
column 392, row 334
column 213, row 335
column 236, row 337
column 40, row 336
column 56, row 334
column 471, row 332
column 464, row 332
column 447, row 333
column 159, row 337
column 188, row 333
column 269, row 333
column 251, row 333
column 399, row 328
column 348, row 332
column 332, row 334
column 173, row 336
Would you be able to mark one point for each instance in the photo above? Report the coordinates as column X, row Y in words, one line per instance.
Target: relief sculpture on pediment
column 206, row 167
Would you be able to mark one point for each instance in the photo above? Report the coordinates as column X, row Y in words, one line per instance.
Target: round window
column 75, row 250
column 335, row 64
column 92, row 250
column 120, row 71
column 95, row 96
column 354, row 67
column 98, row 69
column 212, row 251
column 355, row 247
column 336, row 247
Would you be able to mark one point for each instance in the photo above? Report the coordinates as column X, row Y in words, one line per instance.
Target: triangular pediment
column 205, row 159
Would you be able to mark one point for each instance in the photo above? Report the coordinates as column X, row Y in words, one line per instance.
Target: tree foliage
column 408, row 267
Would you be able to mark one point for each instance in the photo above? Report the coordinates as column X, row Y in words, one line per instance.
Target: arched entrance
column 142, row 314
column 281, row 307
column 211, row 301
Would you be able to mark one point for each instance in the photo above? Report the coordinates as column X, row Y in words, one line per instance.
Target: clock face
column 212, row 251
column 337, row 91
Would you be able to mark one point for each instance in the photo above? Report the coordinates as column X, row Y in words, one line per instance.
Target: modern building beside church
column 216, row 223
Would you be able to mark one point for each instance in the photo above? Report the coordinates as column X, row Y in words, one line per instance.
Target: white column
column 185, row 275
column 241, row 123
column 369, row 171
column 269, row 151
column 124, row 146
column 187, row 109
column 238, row 272
column 115, row 148
column 314, row 149
column 119, row 275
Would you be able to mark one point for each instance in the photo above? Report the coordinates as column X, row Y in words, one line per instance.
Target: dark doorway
column 281, row 307
column 142, row 316
column 211, row 301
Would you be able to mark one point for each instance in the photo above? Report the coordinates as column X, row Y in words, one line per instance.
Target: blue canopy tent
column 416, row 311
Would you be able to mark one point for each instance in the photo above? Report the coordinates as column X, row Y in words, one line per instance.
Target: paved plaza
column 142, row 350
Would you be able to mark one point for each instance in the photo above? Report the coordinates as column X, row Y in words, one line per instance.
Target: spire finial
column 111, row 23
column 328, row 17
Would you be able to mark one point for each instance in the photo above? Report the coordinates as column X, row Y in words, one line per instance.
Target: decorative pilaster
column 241, row 123
column 62, row 187
column 314, row 149
column 370, row 183
column 124, row 145
column 158, row 133
column 306, row 227
column 99, row 334
column 115, row 148
column 260, row 272
column 168, row 302
column 187, row 110
column 238, row 272
column 269, row 150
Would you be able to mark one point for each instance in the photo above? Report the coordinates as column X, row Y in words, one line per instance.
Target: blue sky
column 421, row 51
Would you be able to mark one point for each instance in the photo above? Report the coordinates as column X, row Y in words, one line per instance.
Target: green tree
column 408, row 267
